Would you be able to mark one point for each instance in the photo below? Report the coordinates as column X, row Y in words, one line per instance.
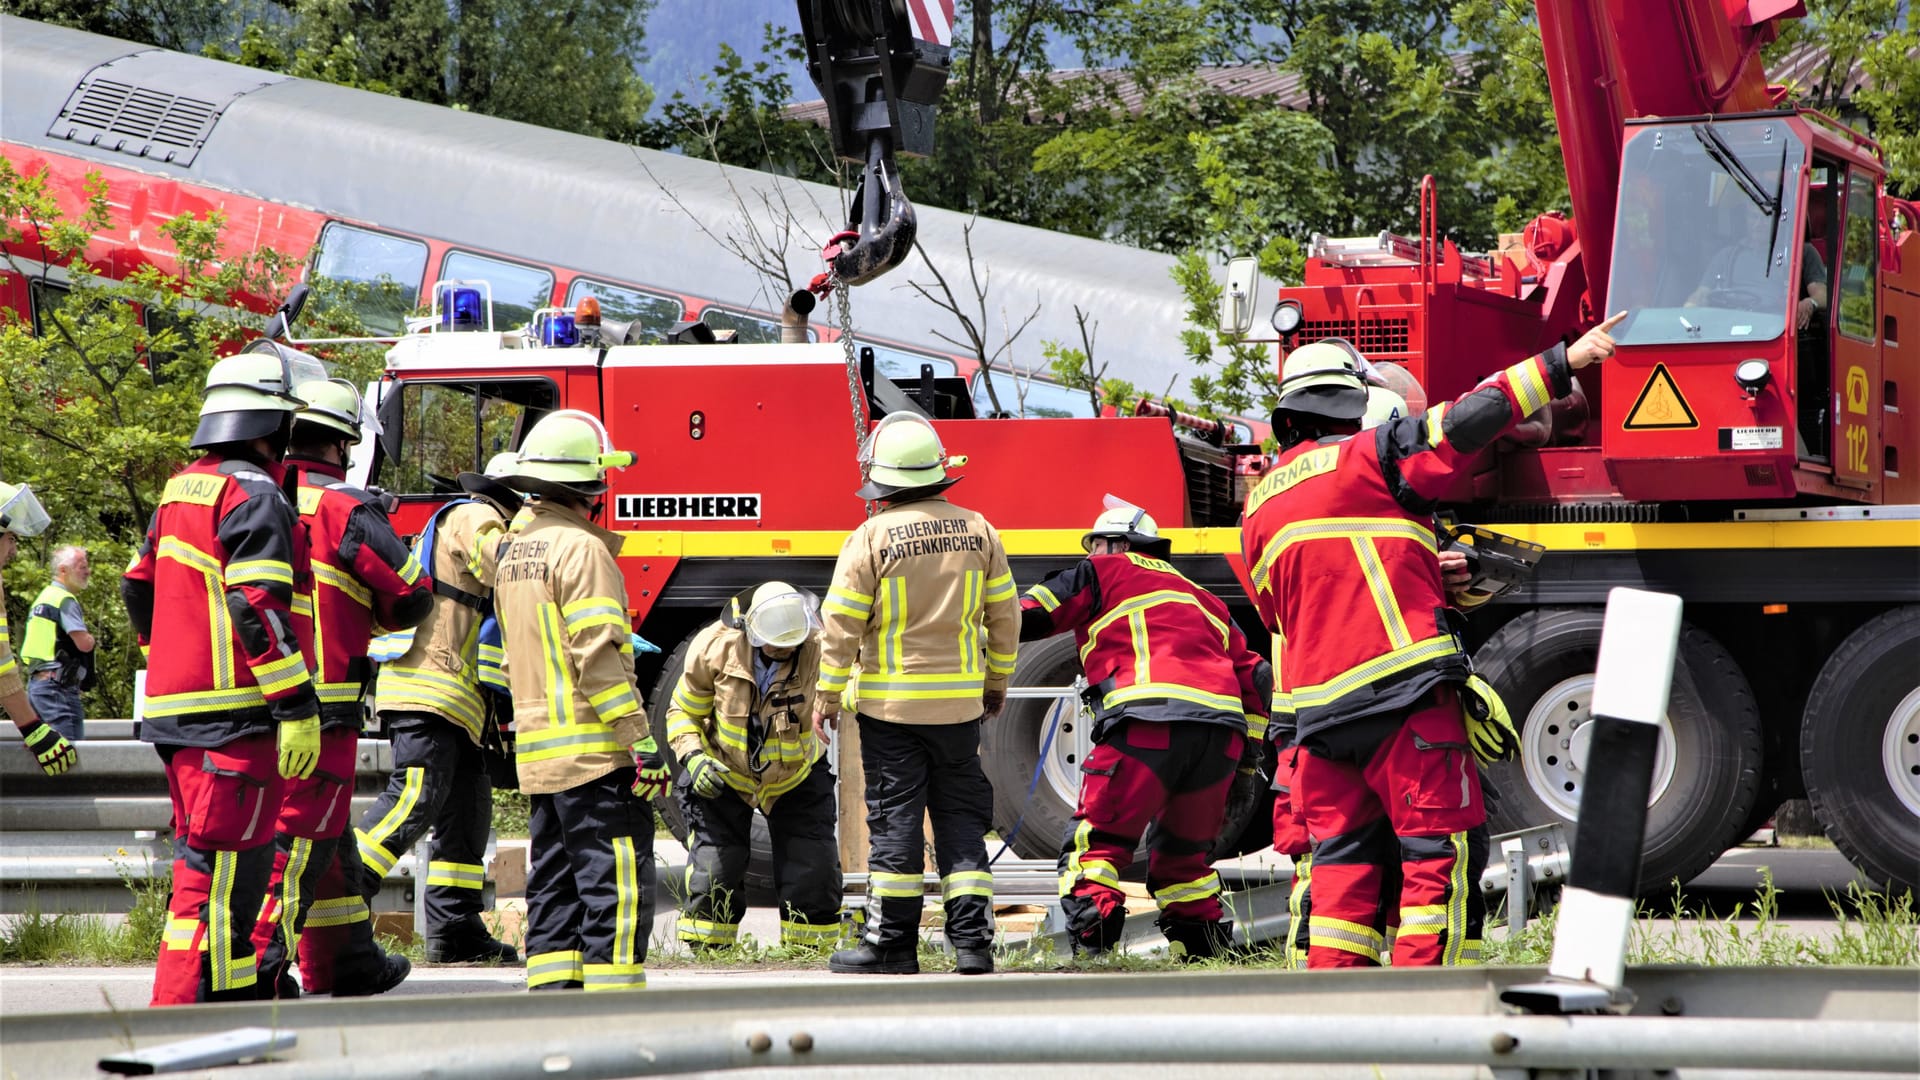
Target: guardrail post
column 1638, row 645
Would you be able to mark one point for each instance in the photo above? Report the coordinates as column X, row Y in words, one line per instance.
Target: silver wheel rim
column 1553, row 745
column 1072, row 741
column 1900, row 751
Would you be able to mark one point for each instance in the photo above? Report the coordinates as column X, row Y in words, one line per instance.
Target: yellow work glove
column 651, row 777
column 299, row 747
column 706, row 774
column 1489, row 728
column 50, row 748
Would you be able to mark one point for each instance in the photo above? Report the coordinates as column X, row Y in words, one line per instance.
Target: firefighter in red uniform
column 1179, row 701
column 1339, row 543
column 230, row 705
column 362, row 575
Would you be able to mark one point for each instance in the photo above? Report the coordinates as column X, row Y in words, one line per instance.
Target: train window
column 518, row 291
column 45, row 298
column 655, row 313
column 379, row 273
column 752, row 329
column 446, row 429
column 1859, row 253
column 900, row 364
column 1029, row 397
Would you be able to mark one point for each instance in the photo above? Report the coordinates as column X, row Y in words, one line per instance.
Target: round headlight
column 1286, row 317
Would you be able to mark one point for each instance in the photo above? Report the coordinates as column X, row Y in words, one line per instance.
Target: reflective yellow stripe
column 454, row 875
column 841, row 601
column 1456, row 909
column 571, row 741
column 1080, row 868
column 833, row 678
column 615, row 702
column 460, row 701
column 1145, row 691
column 204, row 701
column 882, row 883
column 553, row 967
column 1381, row 588
column 372, row 841
column 180, row 551
column 616, row 976
column 1297, row 899
column 967, row 883
column 893, row 628
column 409, row 571
column 299, row 855
column 1436, row 430
column 1188, row 891
column 281, row 675
column 593, row 611
column 1044, row 596
column 1001, row 663
column 559, row 673
column 1529, row 384
column 808, row 934
column 627, row 930
column 226, row 969
column 923, row 687
column 1330, row 933
column 182, row 934
column 1140, row 604
column 707, row 932
column 1256, row 726
column 1000, row 588
column 1424, row 919
column 1433, row 648
column 970, row 608
column 689, row 702
column 338, row 912
column 327, row 574
column 257, row 571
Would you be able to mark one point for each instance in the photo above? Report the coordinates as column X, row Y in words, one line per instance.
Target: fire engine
column 1749, row 447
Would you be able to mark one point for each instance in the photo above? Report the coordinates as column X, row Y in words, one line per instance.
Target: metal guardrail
column 71, row 843
column 1789, row 1021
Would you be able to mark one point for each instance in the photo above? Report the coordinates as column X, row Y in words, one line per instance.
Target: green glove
column 50, row 748
column 706, row 774
column 651, row 777
column 299, row 747
column 1489, row 728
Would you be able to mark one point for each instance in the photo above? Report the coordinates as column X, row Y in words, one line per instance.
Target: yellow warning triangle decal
column 1660, row 405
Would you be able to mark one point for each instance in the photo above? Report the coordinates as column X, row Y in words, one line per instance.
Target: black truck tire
column 1010, row 752
column 1860, row 747
column 760, row 863
column 1709, row 773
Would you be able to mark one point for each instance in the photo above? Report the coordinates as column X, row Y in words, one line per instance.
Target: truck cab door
column 1855, row 305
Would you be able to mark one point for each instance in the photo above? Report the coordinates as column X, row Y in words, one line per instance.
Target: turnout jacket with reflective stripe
column 10, row 678
column 562, row 605
column 717, row 707
column 210, row 594
column 1154, row 645
column 362, row 575
column 1339, row 543
column 439, row 672
column 922, row 599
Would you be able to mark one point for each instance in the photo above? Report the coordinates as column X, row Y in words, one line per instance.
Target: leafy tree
column 737, row 118
column 1877, row 37
column 103, row 396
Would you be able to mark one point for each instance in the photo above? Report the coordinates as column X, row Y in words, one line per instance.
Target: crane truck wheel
column 760, row 863
column 1707, row 770
column 1011, row 747
column 1860, row 748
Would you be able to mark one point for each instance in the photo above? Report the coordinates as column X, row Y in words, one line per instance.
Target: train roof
column 590, row 205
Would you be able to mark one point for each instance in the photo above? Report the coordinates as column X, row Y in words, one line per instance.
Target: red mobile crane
column 1750, row 447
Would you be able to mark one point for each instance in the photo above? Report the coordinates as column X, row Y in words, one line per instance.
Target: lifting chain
column 844, row 303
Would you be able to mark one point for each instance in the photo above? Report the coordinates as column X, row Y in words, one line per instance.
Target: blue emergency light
column 461, row 307
column 556, row 328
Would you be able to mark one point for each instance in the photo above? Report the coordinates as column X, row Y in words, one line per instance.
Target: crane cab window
column 1025, row 397
column 1859, row 262
column 654, row 313
column 895, row 363
column 377, row 274
column 518, row 291
column 434, row 431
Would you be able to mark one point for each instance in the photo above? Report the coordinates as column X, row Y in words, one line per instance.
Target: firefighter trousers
column 306, row 841
column 590, row 886
column 931, row 770
column 806, row 862
column 1171, row 776
column 224, row 803
column 439, row 779
column 1393, row 800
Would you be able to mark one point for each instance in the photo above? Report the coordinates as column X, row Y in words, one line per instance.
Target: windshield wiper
column 1773, row 235
column 1721, row 153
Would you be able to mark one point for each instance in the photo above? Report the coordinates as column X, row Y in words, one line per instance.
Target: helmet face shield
column 20, row 511
column 782, row 616
column 296, row 368
column 334, row 404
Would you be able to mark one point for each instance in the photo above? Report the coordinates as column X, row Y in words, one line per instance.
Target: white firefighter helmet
column 333, row 404
column 1323, row 379
column 903, row 453
column 250, row 395
column 780, row 616
column 491, row 484
column 1121, row 520
column 1383, row 407
column 567, row 452
column 20, row 511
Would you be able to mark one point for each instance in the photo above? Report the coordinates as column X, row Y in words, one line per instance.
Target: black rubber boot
column 876, row 960
column 282, row 986
column 570, row 984
column 1200, row 940
column 391, row 972
column 1093, row 933
column 973, row 961
column 468, row 942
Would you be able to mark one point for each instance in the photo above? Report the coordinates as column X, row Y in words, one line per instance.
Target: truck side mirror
column 1237, row 300
column 281, row 325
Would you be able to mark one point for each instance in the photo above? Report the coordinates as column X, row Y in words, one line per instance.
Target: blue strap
column 1046, row 747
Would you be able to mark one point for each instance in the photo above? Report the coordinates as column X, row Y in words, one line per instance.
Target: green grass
column 85, row 940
